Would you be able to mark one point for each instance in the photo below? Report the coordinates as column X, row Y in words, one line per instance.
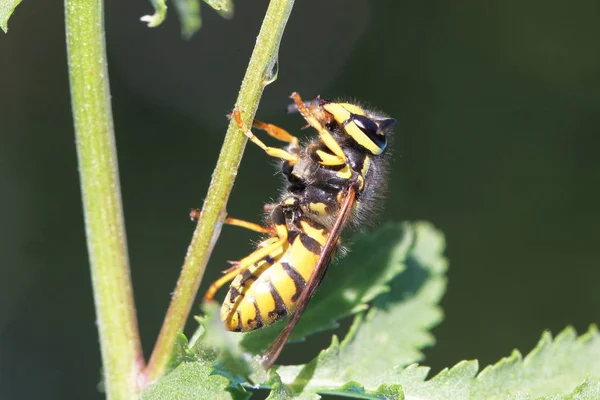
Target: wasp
column 335, row 180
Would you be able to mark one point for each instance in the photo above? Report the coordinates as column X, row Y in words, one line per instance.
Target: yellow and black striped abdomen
column 269, row 289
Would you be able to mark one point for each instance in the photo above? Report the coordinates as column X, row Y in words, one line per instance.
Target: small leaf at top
column 188, row 12
column 189, row 16
column 7, row 7
column 160, row 12
column 223, row 7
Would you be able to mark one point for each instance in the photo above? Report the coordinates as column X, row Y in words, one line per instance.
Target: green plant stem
column 90, row 96
column 257, row 75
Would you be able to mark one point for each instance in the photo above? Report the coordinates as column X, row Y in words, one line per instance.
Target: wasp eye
column 365, row 124
column 370, row 128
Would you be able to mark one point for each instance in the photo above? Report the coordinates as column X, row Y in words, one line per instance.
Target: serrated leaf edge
column 468, row 369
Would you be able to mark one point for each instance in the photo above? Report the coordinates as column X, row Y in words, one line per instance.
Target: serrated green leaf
column 160, row 12
column 391, row 334
column 356, row 391
column 397, row 326
column 564, row 368
column 351, row 282
column 282, row 392
column 390, row 392
column 232, row 362
column 7, row 7
column 181, row 353
column 190, row 380
column 554, row 369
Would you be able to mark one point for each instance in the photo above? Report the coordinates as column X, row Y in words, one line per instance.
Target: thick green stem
column 258, row 74
column 90, row 95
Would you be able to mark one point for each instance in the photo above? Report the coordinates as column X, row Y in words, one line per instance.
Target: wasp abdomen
column 269, row 289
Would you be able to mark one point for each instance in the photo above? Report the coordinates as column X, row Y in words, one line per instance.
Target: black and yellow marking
column 318, row 208
column 273, row 284
column 298, row 279
column 356, row 124
column 257, row 321
column 332, row 180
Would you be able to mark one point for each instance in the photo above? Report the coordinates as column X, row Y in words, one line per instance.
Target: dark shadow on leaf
column 406, row 284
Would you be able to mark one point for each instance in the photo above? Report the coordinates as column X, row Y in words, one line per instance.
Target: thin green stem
column 258, row 74
column 90, row 95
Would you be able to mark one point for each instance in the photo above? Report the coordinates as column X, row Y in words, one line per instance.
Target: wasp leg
column 195, row 214
column 276, row 132
column 273, row 249
column 219, row 283
column 321, row 129
column 249, row 225
column 272, row 151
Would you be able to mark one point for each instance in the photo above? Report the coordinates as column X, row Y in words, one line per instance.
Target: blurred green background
column 499, row 109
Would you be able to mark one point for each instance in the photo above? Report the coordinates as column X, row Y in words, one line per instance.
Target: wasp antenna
column 293, row 108
column 387, row 123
